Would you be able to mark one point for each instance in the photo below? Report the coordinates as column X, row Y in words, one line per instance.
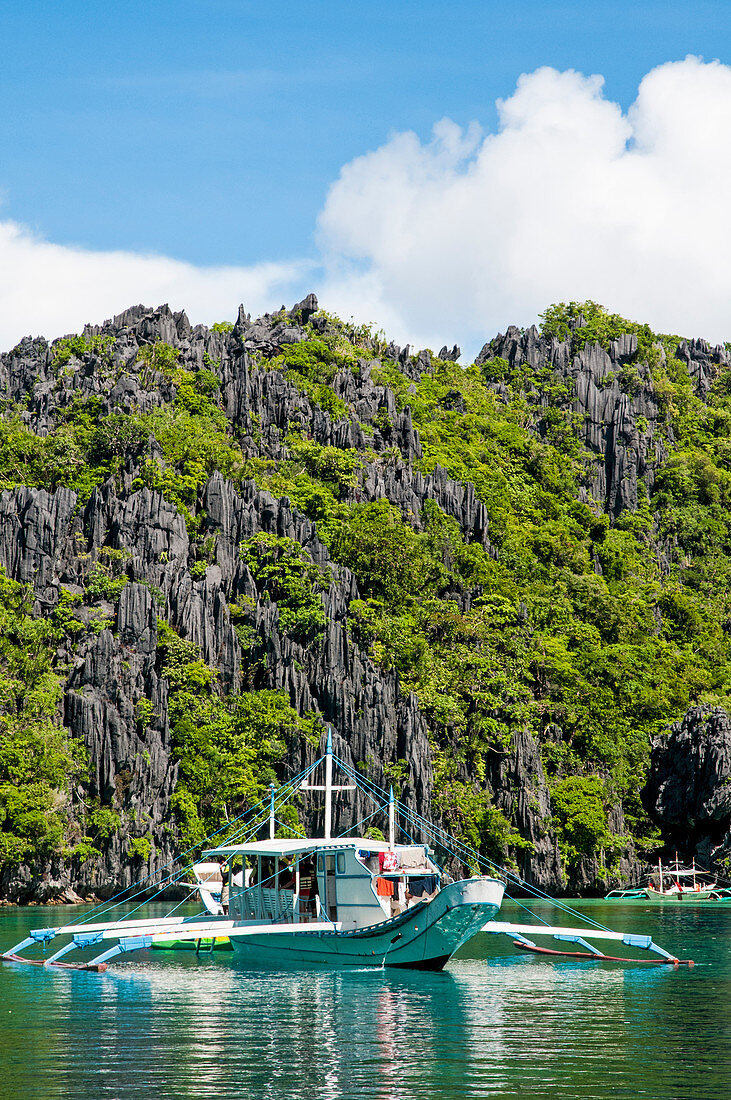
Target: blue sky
column 210, row 131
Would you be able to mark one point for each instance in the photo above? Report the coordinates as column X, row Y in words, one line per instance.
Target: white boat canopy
column 280, row 847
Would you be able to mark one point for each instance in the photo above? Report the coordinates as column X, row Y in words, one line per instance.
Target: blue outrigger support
column 37, row 935
column 517, row 933
column 128, row 943
column 44, row 936
column 646, row 942
column 79, row 941
column 82, row 940
column 582, row 943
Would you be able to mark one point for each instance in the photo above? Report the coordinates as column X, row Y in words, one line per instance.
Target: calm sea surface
column 493, row 1024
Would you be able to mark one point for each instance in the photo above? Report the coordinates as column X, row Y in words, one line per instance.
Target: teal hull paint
column 424, row 937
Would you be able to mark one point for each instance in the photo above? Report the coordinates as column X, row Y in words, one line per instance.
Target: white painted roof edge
column 290, row 847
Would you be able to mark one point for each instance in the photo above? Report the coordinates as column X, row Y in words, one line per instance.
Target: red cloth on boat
column 384, row 887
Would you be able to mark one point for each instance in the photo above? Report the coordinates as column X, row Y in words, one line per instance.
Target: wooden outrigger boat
column 673, row 882
column 343, row 901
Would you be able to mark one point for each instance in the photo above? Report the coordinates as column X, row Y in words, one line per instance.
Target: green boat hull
column 424, row 937
column 221, row 943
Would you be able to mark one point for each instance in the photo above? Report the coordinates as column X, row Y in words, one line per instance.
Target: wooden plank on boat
column 550, row 930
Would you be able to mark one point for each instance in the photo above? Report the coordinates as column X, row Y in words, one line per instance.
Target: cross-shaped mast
column 328, row 787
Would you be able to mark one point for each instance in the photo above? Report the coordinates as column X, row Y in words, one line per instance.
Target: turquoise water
column 494, row 1024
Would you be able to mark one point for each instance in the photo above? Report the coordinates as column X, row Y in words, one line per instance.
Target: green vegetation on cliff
column 590, row 631
column 38, row 759
column 593, row 635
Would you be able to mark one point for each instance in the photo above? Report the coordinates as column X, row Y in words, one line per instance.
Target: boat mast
column 391, row 820
column 272, row 789
column 328, row 787
column 328, row 784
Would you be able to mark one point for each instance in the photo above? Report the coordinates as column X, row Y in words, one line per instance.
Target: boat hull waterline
column 424, row 937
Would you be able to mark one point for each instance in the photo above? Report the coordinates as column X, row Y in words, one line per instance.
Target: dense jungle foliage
column 593, row 634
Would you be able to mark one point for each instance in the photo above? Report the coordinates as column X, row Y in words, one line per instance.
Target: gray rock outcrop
column 688, row 790
column 611, row 395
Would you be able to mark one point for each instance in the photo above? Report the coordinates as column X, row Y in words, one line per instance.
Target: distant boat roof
column 292, row 847
column 669, row 870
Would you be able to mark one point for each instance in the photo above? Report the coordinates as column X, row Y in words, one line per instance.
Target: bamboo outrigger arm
column 519, row 934
column 145, row 934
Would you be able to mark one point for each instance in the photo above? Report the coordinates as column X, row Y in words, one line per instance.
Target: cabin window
column 320, row 863
column 340, row 868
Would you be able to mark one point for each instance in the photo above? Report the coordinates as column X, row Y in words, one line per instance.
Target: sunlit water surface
column 494, row 1024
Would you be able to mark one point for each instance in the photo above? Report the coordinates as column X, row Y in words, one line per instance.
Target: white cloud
column 455, row 238
column 572, row 199
column 50, row 290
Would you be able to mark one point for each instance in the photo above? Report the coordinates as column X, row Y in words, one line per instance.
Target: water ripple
column 492, row 1025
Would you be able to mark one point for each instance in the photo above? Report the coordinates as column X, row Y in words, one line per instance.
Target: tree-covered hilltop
column 498, row 582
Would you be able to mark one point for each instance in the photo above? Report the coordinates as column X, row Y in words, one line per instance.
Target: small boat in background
column 675, row 883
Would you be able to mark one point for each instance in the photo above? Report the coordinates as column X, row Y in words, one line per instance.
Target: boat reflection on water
column 193, row 1029
column 497, row 1026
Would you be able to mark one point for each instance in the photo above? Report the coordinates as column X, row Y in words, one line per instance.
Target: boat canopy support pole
column 272, row 822
column 391, row 820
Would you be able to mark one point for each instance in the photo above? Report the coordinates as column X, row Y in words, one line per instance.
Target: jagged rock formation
column 49, row 541
column 616, row 404
column 688, row 789
column 131, row 760
column 45, row 542
column 521, row 792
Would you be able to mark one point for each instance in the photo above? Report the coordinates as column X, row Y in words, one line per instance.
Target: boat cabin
column 349, row 882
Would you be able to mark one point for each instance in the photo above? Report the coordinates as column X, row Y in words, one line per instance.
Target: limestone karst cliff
column 459, row 570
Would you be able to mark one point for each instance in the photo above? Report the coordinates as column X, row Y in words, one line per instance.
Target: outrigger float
column 343, row 901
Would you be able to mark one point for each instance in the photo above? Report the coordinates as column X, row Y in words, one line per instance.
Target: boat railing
column 268, row 903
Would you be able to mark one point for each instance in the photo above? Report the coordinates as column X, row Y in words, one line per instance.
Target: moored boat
column 368, row 903
column 673, row 883
column 336, row 901
column 348, row 900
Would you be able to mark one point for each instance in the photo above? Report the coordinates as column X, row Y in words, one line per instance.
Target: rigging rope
column 118, row 899
column 459, row 849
